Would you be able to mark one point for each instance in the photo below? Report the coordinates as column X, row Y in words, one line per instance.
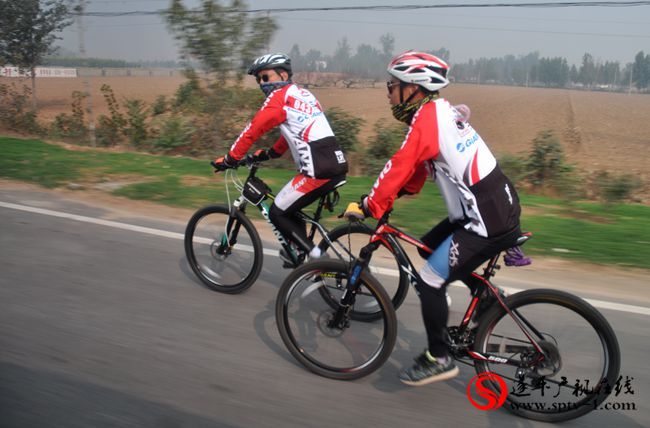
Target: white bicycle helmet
column 420, row 68
column 270, row 61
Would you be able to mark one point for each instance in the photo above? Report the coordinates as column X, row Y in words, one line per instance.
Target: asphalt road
column 102, row 326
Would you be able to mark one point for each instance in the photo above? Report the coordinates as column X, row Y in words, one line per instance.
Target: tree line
column 224, row 40
column 533, row 70
column 73, row 61
column 523, row 70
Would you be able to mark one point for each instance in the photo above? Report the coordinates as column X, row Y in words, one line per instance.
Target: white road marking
column 602, row 304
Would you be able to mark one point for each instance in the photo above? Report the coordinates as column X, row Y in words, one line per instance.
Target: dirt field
column 598, row 130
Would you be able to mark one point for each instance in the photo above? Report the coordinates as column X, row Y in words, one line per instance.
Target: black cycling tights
column 288, row 222
column 435, row 313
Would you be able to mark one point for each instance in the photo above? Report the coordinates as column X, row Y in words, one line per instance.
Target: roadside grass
column 606, row 234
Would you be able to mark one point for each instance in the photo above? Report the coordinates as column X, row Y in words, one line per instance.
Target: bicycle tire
column 577, row 307
column 202, row 271
column 287, row 326
column 400, row 291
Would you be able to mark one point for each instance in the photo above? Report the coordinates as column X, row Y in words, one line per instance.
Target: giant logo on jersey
column 467, row 143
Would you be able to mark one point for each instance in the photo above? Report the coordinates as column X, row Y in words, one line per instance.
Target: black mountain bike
column 557, row 355
column 225, row 251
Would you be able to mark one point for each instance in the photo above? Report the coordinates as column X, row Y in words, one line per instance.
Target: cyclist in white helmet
column 482, row 204
column 305, row 131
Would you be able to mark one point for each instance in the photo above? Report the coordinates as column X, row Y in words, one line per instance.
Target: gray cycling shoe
column 427, row 369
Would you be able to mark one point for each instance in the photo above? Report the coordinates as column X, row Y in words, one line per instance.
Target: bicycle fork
column 341, row 318
column 229, row 237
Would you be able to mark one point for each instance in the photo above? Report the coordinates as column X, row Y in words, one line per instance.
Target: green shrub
column 107, row 134
column 547, row 170
column 188, row 94
column 220, row 116
column 175, row 132
column 110, row 129
column 15, row 111
column 546, row 160
column 611, row 188
column 514, row 167
column 71, row 126
column 136, row 113
column 387, row 139
column 346, row 128
column 159, row 106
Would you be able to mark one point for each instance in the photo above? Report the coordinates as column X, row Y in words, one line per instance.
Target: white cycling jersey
column 442, row 144
column 305, row 131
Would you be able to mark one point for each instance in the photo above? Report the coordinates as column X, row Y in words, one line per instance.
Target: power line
column 390, row 8
column 473, row 27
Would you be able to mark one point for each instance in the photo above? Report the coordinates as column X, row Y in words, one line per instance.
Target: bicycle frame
column 241, row 202
column 480, row 286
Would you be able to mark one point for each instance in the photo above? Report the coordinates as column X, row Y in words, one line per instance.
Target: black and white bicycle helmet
column 271, row 61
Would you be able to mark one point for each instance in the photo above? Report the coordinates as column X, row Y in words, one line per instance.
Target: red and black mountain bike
column 558, row 355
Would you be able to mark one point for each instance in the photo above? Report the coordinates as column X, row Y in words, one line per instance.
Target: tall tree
column 641, row 70
column 387, row 44
column 297, row 61
column 588, row 70
column 223, row 38
column 341, row 57
column 27, row 32
column 312, row 59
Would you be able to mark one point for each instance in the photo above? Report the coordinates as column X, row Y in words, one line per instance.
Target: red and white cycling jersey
column 441, row 144
column 305, row 131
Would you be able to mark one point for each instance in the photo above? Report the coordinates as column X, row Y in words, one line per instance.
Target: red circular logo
column 494, row 401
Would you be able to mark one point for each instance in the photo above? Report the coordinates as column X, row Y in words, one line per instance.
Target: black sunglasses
column 263, row 78
column 390, row 85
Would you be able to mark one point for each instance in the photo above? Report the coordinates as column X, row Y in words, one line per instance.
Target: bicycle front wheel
column 325, row 339
column 577, row 368
column 348, row 239
column 223, row 250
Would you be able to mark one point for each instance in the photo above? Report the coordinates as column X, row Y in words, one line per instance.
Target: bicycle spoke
column 321, row 333
column 577, row 352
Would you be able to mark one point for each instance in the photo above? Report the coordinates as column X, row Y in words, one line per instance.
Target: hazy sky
column 608, row 33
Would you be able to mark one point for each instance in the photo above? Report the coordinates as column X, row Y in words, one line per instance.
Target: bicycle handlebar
column 247, row 161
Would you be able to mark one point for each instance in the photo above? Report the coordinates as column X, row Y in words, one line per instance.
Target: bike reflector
column 255, row 190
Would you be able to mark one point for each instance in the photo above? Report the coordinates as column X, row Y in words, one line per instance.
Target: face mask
column 269, row 87
column 405, row 111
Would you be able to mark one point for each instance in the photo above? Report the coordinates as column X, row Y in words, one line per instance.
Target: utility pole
column 80, row 8
column 629, row 91
column 527, row 72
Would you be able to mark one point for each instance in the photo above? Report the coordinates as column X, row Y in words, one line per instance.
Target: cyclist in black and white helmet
column 277, row 62
column 305, row 131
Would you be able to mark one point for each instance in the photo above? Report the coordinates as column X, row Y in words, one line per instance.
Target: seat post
column 492, row 266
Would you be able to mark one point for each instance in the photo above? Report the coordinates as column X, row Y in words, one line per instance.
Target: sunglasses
column 263, row 78
column 390, row 85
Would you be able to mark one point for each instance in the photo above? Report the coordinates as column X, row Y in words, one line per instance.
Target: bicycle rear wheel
column 346, row 350
column 224, row 251
column 384, row 267
column 580, row 351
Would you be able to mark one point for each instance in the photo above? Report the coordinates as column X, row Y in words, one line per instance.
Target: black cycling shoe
column 287, row 263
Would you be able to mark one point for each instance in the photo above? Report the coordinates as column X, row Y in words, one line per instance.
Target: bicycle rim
column 305, row 323
column 224, row 252
column 580, row 354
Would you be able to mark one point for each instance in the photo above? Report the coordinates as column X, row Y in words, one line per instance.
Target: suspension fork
column 340, row 319
column 232, row 225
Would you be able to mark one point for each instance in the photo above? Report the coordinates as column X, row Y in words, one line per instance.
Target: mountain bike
column 540, row 340
column 225, row 251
